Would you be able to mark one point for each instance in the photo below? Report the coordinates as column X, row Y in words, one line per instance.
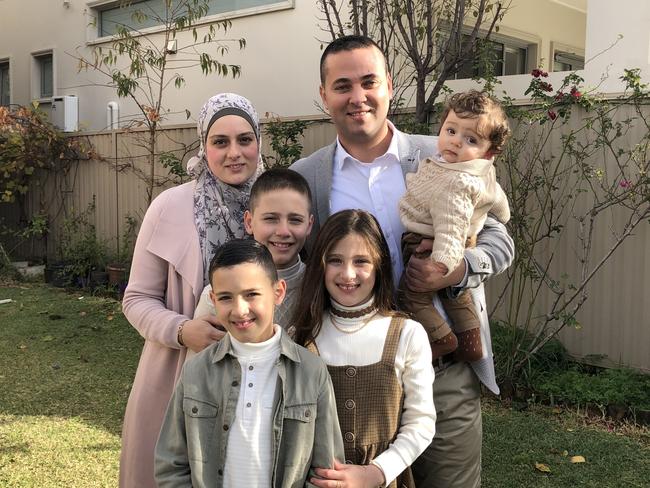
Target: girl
column 379, row 361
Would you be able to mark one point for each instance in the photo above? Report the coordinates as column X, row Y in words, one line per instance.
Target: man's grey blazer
column 492, row 255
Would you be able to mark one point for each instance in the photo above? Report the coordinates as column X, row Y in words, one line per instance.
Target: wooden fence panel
column 615, row 320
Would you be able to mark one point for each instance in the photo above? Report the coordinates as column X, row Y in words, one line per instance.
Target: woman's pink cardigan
column 164, row 287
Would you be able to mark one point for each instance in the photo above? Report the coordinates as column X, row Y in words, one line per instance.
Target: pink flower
column 552, row 115
column 625, row 184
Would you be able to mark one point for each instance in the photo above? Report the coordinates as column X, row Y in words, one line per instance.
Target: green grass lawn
column 66, row 366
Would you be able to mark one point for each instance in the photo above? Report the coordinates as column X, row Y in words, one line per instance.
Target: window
column 5, row 94
column 130, row 15
column 563, row 61
column 509, row 57
column 44, row 76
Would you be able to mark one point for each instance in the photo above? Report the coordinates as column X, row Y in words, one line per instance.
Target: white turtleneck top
column 413, row 369
column 250, row 440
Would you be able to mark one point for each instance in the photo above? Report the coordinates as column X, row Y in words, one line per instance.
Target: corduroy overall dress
column 369, row 403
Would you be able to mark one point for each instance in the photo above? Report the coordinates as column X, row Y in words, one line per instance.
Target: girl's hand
column 199, row 333
column 349, row 476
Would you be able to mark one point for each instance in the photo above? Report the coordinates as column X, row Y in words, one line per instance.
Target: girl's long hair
column 314, row 298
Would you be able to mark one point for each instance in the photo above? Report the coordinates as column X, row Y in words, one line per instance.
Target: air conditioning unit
column 65, row 113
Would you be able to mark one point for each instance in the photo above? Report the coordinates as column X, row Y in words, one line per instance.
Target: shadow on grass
column 66, row 355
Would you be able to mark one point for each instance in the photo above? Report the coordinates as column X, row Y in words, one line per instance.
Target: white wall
column 280, row 62
column 606, row 52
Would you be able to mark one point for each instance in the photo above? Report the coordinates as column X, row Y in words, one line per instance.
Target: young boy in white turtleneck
column 254, row 409
column 280, row 218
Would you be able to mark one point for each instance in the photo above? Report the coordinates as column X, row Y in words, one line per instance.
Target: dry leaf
column 577, row 459
column 565, row 453
column 82, row 314
column 542, row 467
column 22, row 346
column 557, row 410
column 110, row 317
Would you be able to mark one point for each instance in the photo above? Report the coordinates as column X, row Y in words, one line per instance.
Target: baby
column 448, row 200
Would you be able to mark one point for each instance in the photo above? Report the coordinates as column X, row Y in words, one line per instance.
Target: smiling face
column 356, row 91
column 350, row 271
column 231, row 149
column 460, row 140
column 281, row 220
column 244, row 299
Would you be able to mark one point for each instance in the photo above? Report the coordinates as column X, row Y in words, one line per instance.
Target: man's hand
column 424, row 275
column 199, row 333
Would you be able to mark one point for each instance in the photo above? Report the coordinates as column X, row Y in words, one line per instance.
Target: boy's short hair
column 348, row 43
column 279, row 179
column 241, row 251
column 493, row 124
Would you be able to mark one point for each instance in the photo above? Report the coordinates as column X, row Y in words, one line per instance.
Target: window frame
column 5, row 67
column 569, row 52
column 37, row 75
column 95, row 7
column 512, row 40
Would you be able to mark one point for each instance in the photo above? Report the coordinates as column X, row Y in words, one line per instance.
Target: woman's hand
column 349, row 476
column 199, row 333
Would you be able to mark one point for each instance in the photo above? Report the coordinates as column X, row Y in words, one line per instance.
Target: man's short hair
column 493, row 124
column 348, row 43
column 241, row 251
column 279, row 179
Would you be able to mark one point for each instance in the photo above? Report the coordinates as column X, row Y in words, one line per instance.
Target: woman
column 179, row 233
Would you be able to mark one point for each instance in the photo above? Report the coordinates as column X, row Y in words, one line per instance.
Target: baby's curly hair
column 493, row 123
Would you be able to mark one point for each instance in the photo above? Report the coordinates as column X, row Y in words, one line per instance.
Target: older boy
column 279, row 216
column 254, row 409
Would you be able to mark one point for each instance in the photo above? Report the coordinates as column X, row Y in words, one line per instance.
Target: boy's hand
column 199, row 333
column 349, row 476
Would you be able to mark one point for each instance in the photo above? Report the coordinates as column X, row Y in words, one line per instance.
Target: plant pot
column 98, row 279
column 116, row 274
column 57, row 274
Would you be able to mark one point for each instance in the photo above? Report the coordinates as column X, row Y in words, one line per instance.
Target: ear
column 280, row 291
column 389, row 84
column 248, row 222
column 311, row 223
column 213, row 298
column 323, row 96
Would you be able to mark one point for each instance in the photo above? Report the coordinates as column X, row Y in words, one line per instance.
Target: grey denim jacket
column 191, row 448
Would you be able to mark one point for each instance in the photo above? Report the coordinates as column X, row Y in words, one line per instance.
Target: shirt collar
column 341, row 156
column 288, row 348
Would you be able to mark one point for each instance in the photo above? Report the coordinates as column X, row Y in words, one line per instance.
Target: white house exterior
column 284, row 43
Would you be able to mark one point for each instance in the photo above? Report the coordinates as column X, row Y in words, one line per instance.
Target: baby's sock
column 469, row 346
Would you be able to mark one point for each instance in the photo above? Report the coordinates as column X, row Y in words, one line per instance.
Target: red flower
column 538, row 72
column 552, row 115
column 545, row 86
column 575, row 93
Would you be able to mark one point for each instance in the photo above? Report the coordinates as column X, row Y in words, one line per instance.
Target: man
column 365, row 169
